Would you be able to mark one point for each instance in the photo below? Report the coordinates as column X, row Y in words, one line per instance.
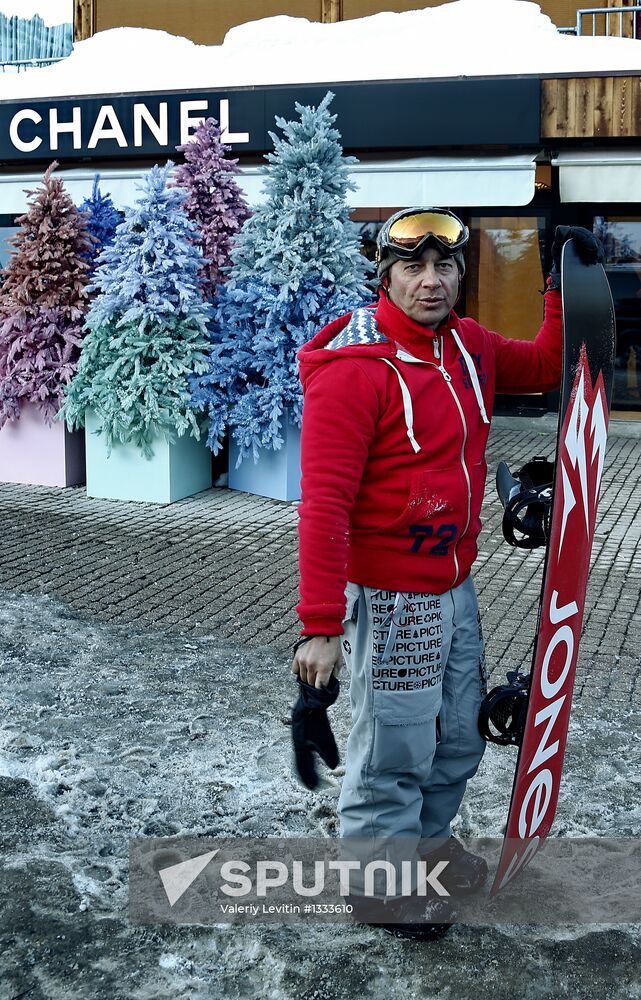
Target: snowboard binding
column 503, row 710
column 527, row 499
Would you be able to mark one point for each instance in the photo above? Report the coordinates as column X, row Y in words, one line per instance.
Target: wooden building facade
column 207, row 21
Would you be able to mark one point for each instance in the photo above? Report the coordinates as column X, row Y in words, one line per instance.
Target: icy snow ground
column 109, row 733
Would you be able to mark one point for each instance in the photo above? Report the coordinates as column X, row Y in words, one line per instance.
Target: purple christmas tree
column 214, row 200
column 43, row 300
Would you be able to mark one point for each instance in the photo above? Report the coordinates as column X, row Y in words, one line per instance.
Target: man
column 397, row 407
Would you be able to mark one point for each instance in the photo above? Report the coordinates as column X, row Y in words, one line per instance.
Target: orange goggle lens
column 409, row 232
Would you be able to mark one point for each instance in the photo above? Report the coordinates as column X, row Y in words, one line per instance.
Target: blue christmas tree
column 102, row 217
column 147, row 325
column 296, row 265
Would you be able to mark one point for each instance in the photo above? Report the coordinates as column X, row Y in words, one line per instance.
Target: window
column 5, row 248
column 621, row 237
column 505, row 274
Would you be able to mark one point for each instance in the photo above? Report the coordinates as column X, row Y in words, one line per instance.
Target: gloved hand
column 311, row 730
column 588, row 247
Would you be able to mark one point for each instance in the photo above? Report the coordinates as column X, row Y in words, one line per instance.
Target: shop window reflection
column 5, row 247
column 505, row 274
column 368, row 225
column 621, row 238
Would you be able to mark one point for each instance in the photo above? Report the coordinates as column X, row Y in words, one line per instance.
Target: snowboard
column 586, row 388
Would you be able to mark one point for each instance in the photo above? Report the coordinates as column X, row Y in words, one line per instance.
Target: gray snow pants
column 417, row 670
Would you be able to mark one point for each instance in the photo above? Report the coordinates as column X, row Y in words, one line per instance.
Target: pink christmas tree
column 43, row 301
column 214, row 201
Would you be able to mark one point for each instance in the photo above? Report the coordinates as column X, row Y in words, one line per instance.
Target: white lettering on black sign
column 29, row 129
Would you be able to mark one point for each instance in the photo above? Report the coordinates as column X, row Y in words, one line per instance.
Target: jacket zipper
column 448, row 379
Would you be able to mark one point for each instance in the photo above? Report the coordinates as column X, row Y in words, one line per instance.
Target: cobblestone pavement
column 224, row 563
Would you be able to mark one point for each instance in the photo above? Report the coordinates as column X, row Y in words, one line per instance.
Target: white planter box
column 176, row 470
column 37, row 454
column 276, row 474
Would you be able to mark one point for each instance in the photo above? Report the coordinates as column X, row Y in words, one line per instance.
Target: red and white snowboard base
column 588, row 360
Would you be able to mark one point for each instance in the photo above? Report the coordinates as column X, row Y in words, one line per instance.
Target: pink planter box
column 39, row 455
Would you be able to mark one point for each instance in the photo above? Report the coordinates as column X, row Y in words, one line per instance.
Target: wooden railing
column 618, row 18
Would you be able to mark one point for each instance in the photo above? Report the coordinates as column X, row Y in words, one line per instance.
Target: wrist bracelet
column 306, row 638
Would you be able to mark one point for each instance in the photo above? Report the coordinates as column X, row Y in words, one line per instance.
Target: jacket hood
column 375, row 331
column 386, row 332
column 355, row 334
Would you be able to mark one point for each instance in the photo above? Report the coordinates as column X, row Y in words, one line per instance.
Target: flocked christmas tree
column 296, row 265
column 214, row 201
column 102, row 218
column 43, row 301
column 147, row 325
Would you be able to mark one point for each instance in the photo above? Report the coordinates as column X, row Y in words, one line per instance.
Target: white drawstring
column 471, row 367
column 407, row 406
column 407, row 399
column 393, row 626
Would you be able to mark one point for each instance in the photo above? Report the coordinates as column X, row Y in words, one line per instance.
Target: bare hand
column 315, row 661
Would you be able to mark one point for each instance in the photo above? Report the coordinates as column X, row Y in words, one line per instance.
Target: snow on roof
column 51, row 11
column 459, row 39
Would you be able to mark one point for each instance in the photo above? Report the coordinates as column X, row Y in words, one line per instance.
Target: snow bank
column 463, row 38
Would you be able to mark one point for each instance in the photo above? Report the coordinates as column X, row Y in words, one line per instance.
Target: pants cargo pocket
column 402, row 700
column 402, row 749
column 406, row 679
column 404, row 724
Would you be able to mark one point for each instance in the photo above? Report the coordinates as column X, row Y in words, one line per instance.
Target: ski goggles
column 406, row 233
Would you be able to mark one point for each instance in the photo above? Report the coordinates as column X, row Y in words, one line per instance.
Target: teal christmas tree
column 296, row 265
column 147, row 325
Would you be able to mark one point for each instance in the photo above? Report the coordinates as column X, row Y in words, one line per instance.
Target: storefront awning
column 436, row 180
column 464, row 181
column 601, row 175
column 120, row 184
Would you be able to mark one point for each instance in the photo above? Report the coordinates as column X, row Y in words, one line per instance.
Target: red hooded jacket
column 395, row 426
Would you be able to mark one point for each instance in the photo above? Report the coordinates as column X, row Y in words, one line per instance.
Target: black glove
column 311, row 730
column 588, row 247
